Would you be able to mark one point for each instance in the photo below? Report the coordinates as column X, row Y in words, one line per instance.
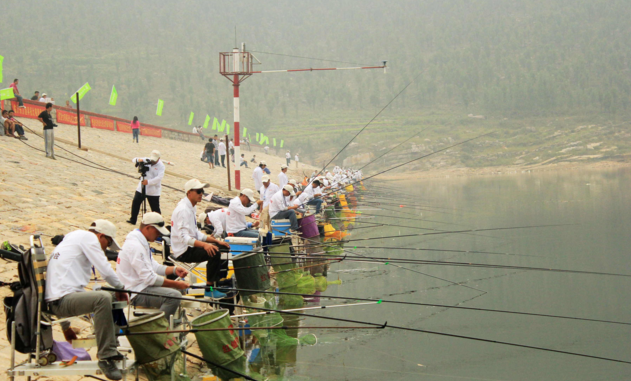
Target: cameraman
column 49, row 135
column 151, row 181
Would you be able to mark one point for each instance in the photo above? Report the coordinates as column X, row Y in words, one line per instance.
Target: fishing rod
column 306, row 308
column 463, row 264
column 419, row 158
column 367, row 124
column 397, row 146
column 458, row 231
column 384, row 325
column 444, row 250
column 379, row 301
column 196, row 330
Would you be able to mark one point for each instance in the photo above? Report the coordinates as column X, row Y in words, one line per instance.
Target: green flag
column 257, row 137
column 227, row 129
column 82, row 91
column 206, row 121
column 282, row 142
column 160, row 106
column 1, row 59
column 6, row 94
column 245, row 130
column 190, row 118
column 274, row 139
column 113, row 96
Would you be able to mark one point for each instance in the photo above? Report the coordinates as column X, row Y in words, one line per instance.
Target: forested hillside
column 502, row 59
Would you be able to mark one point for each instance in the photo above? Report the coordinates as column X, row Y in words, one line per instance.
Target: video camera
column 143, row 167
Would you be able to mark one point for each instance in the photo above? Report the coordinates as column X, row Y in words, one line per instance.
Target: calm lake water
column 596, row 209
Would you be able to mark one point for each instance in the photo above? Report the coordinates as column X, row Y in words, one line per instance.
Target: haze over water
column 596, row 205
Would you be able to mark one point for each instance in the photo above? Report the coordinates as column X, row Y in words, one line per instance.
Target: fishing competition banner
column 30, row 111
column 150, row 131
column 102, row 123
column 123, row 127
column 66, row 117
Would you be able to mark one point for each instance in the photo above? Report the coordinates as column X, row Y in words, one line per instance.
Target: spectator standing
column 297, row 159
column 257, row 175
column 16, row 92
column 35, row 97
column 247, row 141
column 152, row 183
column 282, row 176
column 288, row 158
column 17, row 126
column 231, row 147
column 135, row 129
column 210, row 153
column 222, row 152
column 243, row 161
column 49, row 133
column 216, row 143
column 43, row 99
column 266, row 149
column 68, row 105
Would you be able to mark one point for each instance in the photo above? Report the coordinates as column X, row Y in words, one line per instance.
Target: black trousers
column 223, row 160
column 154, row 204
column 215, row 267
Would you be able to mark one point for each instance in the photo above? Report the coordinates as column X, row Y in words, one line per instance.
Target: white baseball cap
column 107, row 228
column 155, row 219
column 248, row 192
column 194, row 184
column 289, row 189
column 155, row 155
column 293, row 182
column 265, row 178
column 283, row 166
column 202, row 218
column 263, row 163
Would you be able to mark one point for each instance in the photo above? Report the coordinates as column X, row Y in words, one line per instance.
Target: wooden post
column 78, row 121
column 228, row 165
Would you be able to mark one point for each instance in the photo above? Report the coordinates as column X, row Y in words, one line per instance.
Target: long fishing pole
column 195, row 330
column 379, row 301
column 390, row 150
column 367, row 124
column 419, row 158
column 457, row 231
column 385, row 325
column 444, row 250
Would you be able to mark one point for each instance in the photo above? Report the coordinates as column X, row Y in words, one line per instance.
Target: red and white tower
column 236, row 66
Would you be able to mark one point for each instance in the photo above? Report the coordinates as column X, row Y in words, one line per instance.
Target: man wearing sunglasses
column 188, row 244
column 137, row 269
column 69, row 272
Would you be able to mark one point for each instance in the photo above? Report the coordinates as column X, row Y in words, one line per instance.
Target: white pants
column 49, row 141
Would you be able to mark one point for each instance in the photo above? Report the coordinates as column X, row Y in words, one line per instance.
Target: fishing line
column 245, row 376
column 384, row 325
column 379, row 301
column 397, row 146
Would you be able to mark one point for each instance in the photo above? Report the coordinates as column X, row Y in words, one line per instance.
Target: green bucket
column 220, row 347
column 148, row 348
column 251, row 272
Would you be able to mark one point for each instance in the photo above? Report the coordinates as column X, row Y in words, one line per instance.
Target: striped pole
column 237, row 134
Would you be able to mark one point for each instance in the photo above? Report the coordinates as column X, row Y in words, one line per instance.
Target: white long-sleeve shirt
column 282, row 180
column 218, row 220
column 136, row 267
column 267, row 193
column 184, row 231
column 278, row 203
column 222, row 148
column 70, row 265
column 257, row 175
column 154, row 177
column 235, row 220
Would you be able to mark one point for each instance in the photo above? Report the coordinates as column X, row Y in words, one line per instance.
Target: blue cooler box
column 280, row 228
column 240, row 245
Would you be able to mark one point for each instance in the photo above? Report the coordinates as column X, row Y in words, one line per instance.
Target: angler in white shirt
column 267, row 190
column 313, row 193
column 241, row 206
column 188, row 244
column 68, row 273
column 257, row 175
column 137, row 269
column 282, row 176
column 217, row 219
column 281, row 209
column 152, row 184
